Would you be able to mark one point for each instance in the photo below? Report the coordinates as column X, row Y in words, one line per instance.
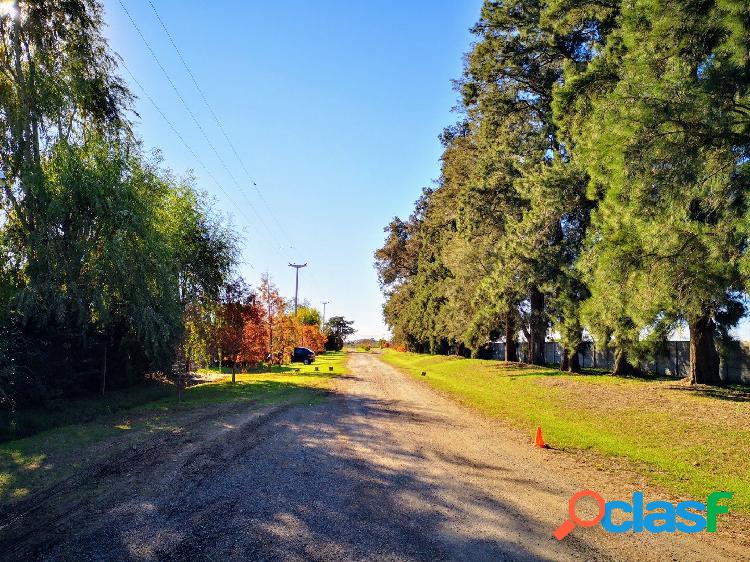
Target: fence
column 674, row 361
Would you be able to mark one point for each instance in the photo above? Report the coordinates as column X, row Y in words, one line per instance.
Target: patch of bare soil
column 725, row 407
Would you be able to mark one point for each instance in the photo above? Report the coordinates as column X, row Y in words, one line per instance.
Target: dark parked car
column 303, row 355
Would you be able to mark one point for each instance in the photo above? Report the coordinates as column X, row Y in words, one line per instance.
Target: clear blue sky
column 334, row 108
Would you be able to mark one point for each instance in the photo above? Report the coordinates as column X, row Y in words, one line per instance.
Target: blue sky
column 334, row 108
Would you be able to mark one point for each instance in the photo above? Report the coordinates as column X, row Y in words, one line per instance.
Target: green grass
column 690, row 440
column 269, row 385
column 33, row 463
column 67, row 412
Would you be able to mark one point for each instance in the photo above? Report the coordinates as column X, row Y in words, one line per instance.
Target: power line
column 197, row 158
column 221, row 127
column 219, row 123
column 208, row 141
column 197, row 123
column 185, row 143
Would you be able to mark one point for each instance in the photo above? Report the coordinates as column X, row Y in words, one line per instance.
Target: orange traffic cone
column 539, row 441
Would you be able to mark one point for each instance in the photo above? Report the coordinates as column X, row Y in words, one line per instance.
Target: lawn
column 33, row 463
column 692, row 440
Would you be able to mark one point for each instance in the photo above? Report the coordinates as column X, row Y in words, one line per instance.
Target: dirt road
column 385, row 469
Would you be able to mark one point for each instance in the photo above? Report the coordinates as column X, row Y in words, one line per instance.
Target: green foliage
column 337, row 329
column 308, row 316
column 103, row 251
column 664, row 139
column 596, row 185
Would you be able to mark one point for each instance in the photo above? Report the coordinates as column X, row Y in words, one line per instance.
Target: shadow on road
column 330, row 481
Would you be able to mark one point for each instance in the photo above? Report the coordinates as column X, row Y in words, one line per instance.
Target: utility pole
column 270, row 328
column 324, row 303
column 270, row 318
column 297, row 267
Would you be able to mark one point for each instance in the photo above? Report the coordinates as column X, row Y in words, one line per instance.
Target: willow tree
column 57, row 84
column 57, row 90
column 101, row 247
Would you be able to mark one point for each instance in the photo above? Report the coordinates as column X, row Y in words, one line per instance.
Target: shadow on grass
column 530, row 370
column 642, row 376
column 521, row 370
column 732, row 393
column 63, row 412
column 597, row 372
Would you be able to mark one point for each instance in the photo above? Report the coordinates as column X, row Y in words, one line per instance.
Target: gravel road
column 384, row 469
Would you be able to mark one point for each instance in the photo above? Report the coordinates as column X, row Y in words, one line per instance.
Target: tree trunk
column 181, row 379
column 564, row 360
column 234, row 365
column 104, row 368
column 511, row 353
column 574, row 363
column 537, row 327
column 704, row 360
column 23, row 129
column 623, row 367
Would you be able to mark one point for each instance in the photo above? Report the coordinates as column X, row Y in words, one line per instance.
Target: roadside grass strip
column 36, row 462
column 692, row 440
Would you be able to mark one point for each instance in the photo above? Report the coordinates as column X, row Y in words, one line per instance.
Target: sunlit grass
column 691, row 441
column 297, row 382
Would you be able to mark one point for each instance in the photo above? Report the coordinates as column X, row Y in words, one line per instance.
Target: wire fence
column 673, row 361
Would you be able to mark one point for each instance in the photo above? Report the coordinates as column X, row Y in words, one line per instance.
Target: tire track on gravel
column 172, row 456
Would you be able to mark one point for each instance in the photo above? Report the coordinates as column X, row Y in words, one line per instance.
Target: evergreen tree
column 664, row 134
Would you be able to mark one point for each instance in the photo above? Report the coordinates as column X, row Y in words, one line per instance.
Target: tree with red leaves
column 235, row 311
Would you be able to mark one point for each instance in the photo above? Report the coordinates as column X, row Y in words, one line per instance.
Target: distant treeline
column 596, row 185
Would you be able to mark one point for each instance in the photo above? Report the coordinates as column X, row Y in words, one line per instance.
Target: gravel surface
column 385, row 469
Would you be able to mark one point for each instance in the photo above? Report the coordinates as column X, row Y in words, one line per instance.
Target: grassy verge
column 33, row 463
column 68, row 412
column 691, row 440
